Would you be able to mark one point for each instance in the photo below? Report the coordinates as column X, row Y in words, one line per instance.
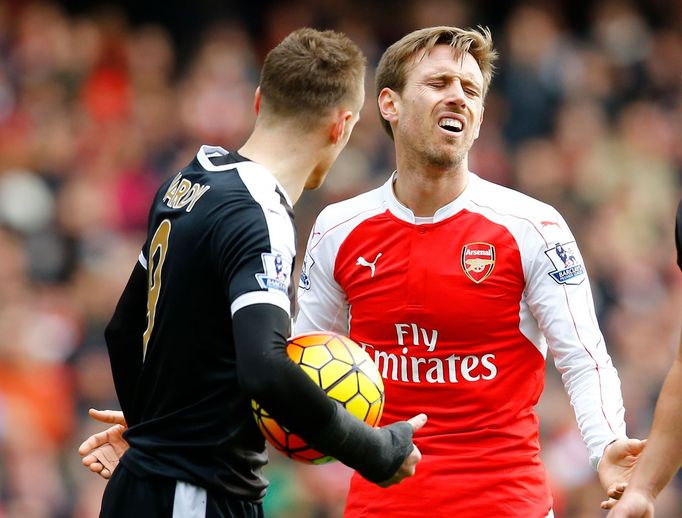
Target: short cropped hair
column 396, row 61
column 310, row 72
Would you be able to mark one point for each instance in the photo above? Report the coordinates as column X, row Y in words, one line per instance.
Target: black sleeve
column 269, row 376
column 123, row 336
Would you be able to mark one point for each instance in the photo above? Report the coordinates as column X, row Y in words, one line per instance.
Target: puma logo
column 364, row 262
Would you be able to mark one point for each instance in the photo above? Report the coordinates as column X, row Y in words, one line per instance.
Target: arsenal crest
column 478, row 261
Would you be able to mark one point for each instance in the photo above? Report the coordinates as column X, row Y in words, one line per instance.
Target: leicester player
column 202, row 324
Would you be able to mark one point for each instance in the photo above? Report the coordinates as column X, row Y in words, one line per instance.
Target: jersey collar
column 401, row 212
column 206, row 152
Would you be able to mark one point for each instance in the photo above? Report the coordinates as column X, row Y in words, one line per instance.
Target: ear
column 388, row 104
column 339, row 128
column 480, row 121
column 256, row 100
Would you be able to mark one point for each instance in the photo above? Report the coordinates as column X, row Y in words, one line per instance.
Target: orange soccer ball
column 344, row 371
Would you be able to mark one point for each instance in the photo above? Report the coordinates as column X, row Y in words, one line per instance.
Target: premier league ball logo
column 568, row 268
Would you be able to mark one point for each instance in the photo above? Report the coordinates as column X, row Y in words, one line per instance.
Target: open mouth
column 451, row 125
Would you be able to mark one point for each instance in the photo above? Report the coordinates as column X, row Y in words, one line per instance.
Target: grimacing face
column 440, row 110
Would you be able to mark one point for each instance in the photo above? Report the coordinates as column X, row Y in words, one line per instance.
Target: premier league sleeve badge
column 568, row 267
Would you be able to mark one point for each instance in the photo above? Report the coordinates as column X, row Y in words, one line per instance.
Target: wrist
column 643, row 490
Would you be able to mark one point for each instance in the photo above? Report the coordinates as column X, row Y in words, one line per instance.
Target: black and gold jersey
column 220, row 238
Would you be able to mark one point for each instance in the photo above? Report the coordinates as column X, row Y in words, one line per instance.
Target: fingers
column 101, row 451
column 417, row 421
column 91, row 462
column 415, row 457
column 99, row 439
column 635, row 446
column 92, row 442
column 88, row 445
column 96, row 467
column 101, row 459
column 608, row 504
column 616, row 490
column 407, row 469
column 107, row 456
column 409, row 465
column 107, row 416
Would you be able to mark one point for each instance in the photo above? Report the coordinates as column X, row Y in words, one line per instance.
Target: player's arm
column 123, row 336
column 257, row 281
column 662, row 456
column 322, row 304
column 267, row 374
column 559, row 296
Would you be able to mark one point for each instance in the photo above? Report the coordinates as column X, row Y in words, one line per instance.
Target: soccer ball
column 344, row 371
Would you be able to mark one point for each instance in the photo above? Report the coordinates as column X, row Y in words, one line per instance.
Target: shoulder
column 247, row 187
column 260, row 183
column 516, row 209
column 509, row 201
column 351, row 212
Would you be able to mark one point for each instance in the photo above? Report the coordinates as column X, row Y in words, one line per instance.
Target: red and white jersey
column 458, row 314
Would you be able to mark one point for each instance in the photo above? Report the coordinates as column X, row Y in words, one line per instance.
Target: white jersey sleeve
column 558, row 295
column 322, row 303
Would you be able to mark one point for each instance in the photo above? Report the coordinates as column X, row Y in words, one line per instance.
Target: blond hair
column 395, row 62
column 310, row 72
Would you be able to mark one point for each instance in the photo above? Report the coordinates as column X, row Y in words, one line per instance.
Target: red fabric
column 480, row 444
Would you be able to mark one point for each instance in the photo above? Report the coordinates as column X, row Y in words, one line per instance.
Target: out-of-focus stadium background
column 99, row 104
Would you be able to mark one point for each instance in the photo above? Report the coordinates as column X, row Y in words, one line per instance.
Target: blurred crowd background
column 99, row 103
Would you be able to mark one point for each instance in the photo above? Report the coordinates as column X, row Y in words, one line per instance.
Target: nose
column 455, row 94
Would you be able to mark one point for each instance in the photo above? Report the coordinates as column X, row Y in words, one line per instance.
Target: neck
column 290, row 155
column 425, row 189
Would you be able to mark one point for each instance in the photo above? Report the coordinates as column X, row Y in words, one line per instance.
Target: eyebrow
column 468, row 78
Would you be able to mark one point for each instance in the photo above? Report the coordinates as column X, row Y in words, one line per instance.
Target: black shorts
column 129, row 496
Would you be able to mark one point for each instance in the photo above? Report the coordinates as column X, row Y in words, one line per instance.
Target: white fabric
column 142, row 260
column 206, row 152
column 276, row 298
column 189, row 501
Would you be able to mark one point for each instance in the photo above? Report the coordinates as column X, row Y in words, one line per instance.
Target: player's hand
column 633, row 505
column 614, row 493
column 409, row 465
column 101, row 452
column 108, row 416
column 616, row 466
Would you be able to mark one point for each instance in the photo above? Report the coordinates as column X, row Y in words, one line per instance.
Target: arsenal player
column 458, row 288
